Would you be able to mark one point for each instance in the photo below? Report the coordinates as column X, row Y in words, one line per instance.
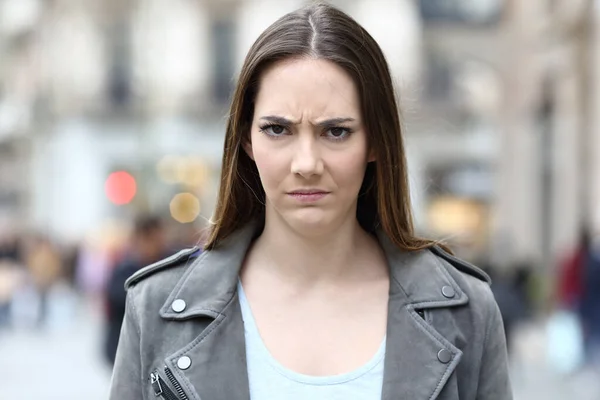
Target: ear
column 247, row 145
column 371, row 156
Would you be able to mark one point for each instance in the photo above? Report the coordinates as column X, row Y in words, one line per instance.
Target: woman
column 312, row 284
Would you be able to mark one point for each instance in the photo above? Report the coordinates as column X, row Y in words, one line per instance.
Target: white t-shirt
column 269, row 380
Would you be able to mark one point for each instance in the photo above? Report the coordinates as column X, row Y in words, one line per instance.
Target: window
column 476, row 12
column 119, row 68
column 439, row 76
column 223, row 43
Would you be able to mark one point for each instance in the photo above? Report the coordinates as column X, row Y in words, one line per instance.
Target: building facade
column 514, row 81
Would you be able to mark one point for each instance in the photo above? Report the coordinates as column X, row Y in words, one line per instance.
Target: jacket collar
column 420, row 277
column 419, row 360
column 211, row 282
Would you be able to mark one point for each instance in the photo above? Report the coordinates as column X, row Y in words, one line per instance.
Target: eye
column 338, row 133
column 273, row 130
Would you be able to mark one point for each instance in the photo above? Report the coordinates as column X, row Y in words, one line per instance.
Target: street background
column 112, row 118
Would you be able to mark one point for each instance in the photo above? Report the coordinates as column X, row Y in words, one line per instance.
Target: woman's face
column 309, row 144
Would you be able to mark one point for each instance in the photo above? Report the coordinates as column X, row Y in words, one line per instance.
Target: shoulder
column 149, row 287
column 455, row 263
column 164, row 273
column 472, row 280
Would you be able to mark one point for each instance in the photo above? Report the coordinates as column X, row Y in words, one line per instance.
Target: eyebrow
column 328, row 123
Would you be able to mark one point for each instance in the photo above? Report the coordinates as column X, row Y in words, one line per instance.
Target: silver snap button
column 444, row 356
column 184, row 362
column 448, row 291
column 178, row 305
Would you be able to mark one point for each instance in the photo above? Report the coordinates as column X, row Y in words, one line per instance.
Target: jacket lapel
column 418, row 360
column 218, row 359
column 217, row 368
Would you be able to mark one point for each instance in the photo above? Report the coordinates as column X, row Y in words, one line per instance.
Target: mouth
column 308, row 195
column 308, row 192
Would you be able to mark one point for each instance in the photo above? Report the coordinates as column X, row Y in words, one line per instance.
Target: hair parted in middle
column 323, row 32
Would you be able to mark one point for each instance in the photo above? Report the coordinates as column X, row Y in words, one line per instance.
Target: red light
column 120, row 187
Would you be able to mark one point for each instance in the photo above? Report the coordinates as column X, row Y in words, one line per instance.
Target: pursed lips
column 308, row 191
column 308, row 195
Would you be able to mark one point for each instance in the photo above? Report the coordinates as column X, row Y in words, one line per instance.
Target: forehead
column 309, row 87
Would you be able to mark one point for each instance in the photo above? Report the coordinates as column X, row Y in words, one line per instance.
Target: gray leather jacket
column 183, row 335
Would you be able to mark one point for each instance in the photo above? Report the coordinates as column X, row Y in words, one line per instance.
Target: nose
column 307, row 159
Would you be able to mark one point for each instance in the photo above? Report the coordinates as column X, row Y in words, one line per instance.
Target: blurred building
column 506, row 139
column 108, row 108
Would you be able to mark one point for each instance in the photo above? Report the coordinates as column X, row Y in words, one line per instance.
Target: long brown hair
column 324, row 32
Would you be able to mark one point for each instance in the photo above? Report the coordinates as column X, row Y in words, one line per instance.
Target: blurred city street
column 112, row 123
column 533, row 379
column 62, row 362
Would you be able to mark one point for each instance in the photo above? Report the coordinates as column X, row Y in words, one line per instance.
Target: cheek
column 348, row 169
column 271, row 164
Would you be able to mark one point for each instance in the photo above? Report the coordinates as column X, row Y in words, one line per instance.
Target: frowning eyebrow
column 328, row 123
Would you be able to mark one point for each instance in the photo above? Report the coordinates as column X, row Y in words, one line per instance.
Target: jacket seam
column 189, row 268
column 449, row 279
column 190, row 388
column 197, row 263
column 440, row 302
column 136, row 323
column 196, row 342
column 206, row 332
column 170, row 261
column 472, row 270
column 399, row 285
column 440, row 339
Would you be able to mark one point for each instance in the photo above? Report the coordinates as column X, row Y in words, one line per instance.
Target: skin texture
column 325, row 311
column 307, row 153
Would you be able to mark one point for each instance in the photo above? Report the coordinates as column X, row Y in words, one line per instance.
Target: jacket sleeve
column 127, row 380
column 494, row 379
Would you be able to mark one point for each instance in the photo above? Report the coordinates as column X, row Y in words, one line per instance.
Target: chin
column 310, row 222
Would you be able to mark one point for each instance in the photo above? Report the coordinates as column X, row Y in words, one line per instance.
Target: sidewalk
column 534, row 379
column 60, row 363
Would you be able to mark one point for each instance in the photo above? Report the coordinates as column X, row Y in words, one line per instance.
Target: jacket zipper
column 176, row 385
column 161, row 389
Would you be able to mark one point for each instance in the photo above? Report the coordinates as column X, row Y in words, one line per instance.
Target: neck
column 342, row 252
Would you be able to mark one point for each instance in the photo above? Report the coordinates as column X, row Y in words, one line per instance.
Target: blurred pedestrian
column 312, row 282
column 571, row 273
column 590, row 304
column 45, row 267
column 9, row 261
column 71, row 261
column 9, row 281
column 578, row 283
column 509, row 301
column 147, row 246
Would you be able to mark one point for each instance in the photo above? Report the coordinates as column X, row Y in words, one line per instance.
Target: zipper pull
column 155, row 381
column 161, row 388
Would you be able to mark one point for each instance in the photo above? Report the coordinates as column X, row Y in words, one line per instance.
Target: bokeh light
column 167, row 169
column 120, row 187
column 184, row 207
column 189, row 171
